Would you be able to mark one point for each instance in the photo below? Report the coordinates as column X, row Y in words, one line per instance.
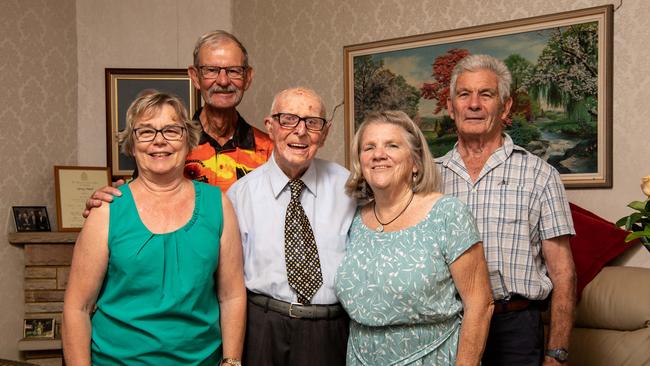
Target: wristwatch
column 561, row 355
column 231, row 361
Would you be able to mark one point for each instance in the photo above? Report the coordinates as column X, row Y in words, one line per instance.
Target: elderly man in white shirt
column 294, row 216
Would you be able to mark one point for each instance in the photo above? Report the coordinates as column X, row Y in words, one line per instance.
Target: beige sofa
column 612, row 325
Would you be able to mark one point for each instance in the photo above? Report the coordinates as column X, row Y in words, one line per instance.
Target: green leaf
column 621, row 221
column 637, row 234
column 633, row 218
column 637, row 205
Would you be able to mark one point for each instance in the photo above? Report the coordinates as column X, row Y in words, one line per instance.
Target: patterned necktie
column 300, row 251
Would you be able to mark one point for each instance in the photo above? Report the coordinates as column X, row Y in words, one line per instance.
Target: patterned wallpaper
column 38, row 129
column 301, row 42
column 53, row 53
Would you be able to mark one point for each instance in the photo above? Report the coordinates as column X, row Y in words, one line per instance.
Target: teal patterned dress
column 398, row 291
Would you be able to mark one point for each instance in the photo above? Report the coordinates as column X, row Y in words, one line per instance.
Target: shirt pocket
column 509, row 204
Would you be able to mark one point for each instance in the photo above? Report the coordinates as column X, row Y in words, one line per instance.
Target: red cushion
column 597, row 241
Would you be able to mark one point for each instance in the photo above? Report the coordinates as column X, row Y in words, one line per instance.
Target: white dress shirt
column 260, row 200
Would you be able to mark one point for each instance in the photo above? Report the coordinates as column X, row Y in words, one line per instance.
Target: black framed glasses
column 212, row 72
column 289, row 120
column 169, row 133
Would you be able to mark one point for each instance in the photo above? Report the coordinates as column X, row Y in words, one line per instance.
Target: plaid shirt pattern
column 518, row 200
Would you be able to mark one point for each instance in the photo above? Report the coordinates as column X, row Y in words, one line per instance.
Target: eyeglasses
column 169, row 133
column 233, row 72
column 288, row 120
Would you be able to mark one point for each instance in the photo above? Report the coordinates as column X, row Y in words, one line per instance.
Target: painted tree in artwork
column 566, row 73
column 522, row 103
column 377, row 88
column 441, row 73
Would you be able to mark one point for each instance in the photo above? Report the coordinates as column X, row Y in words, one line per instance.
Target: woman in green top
column 157, row 275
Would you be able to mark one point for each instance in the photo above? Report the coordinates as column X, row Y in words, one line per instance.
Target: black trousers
column 516, row 339
column 273, row 339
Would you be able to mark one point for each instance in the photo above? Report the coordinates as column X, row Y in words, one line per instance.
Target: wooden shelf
column 39, row 344
column 43, row 237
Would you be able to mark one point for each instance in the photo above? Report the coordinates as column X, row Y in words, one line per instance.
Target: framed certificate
column 74, row 185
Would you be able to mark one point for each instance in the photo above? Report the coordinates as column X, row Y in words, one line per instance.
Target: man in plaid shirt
column 523, row 215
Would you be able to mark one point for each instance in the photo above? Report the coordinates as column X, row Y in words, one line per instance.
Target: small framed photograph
column 31, row 218
column 39, row 328
column 74, row 185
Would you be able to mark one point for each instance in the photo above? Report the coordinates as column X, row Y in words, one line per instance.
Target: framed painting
column 123, row 86
column 561, row 67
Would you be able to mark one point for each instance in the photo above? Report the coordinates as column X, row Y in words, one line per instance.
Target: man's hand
column 104, row 194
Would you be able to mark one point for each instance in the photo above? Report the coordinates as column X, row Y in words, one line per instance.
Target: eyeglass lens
column 169, row 133
column 289, row 120
column 212, row 72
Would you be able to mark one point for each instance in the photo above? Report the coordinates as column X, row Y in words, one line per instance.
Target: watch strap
column 559, row 354
column 231, row 361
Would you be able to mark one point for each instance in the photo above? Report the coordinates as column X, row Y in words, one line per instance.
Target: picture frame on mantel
column 123, row 86
column 73, row 186
column 39, row 328
column 562, row 86
column 31, row 218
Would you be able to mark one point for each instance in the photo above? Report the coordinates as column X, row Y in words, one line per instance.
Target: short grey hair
column 427, row 179
column 146, row 106
column 298, row 90
column 217, row 36
column 483, row 62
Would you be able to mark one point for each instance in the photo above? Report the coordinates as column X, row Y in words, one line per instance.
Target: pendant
column 380, row 228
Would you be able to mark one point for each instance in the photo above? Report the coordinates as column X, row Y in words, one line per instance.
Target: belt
column 516, row 304
column 296, row 310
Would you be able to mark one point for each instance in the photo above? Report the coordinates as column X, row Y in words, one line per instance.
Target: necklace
column 380, row 228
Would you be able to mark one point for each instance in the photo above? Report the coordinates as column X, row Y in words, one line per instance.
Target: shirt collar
column 242, row 138
column 279, row 180
column 500, row 154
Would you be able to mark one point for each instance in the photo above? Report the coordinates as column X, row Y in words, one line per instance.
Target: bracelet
column 231, row 361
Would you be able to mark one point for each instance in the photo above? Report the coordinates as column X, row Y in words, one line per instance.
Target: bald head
column 314, row 103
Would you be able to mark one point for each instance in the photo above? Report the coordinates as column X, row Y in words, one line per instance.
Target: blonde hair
column 427, row 179
column 146, row 106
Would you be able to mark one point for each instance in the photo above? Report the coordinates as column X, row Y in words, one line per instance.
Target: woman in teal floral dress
column 414, row 280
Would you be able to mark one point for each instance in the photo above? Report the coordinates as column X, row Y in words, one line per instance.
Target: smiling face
column 160, row 156
column 476, row 107
column 386, row 158
column 295, row 148
column 221, row 92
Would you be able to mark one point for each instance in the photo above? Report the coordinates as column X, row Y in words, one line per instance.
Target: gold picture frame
column 73, row 186
column 571, row 128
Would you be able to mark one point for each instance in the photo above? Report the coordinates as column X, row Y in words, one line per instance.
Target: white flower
column 645, row 185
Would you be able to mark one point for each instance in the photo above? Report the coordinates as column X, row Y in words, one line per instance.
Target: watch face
column 559, row 354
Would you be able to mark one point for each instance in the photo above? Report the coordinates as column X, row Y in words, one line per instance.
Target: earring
column 415, row 177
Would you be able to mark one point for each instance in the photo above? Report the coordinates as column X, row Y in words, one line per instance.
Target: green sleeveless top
column 158, row 304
